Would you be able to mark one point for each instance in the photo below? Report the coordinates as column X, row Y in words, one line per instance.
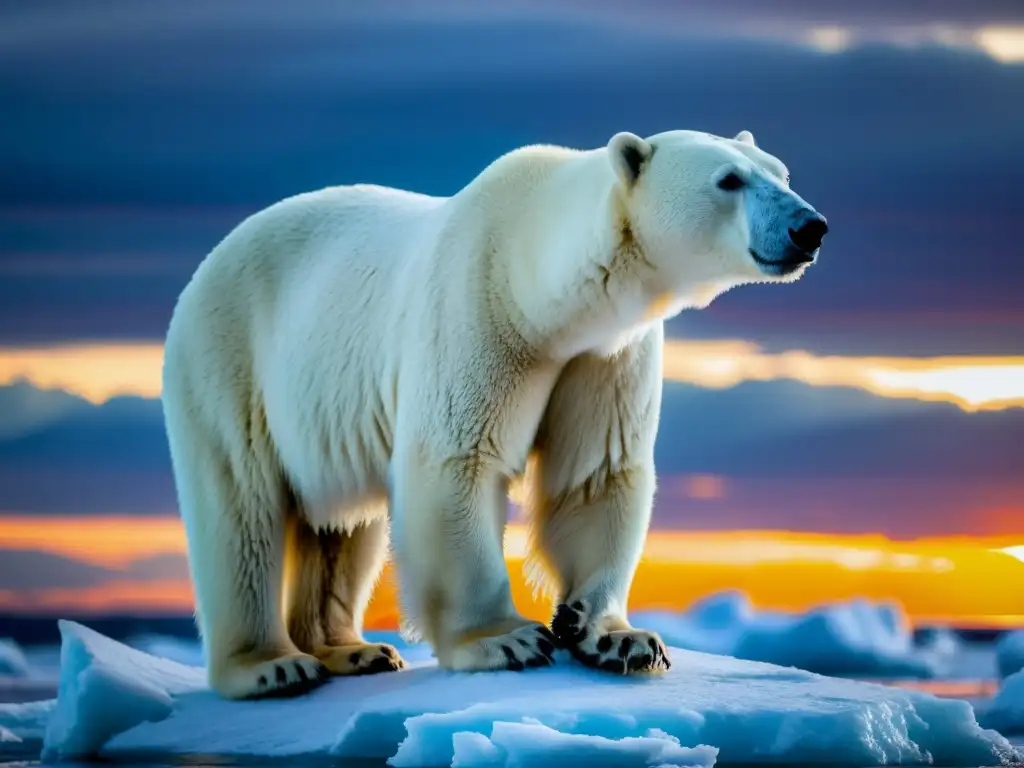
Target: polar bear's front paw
column 361, row 659
column 530, row 645
column 622, row 651
column 255, row 678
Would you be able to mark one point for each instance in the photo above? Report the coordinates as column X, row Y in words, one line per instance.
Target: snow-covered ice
column 106, row 688
column 848, row 638
column 12, row 659
column 1010, row 652
column 532, row 743
column 190, row 652
column 115, row 701
column 856, row 638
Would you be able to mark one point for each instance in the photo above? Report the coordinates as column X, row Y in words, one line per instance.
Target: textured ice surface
column 107, row 688
column 119, row 702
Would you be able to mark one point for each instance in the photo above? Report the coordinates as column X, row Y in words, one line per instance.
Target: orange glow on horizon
column 112, row 542
column 98, row 372
column 158, row 598
column 1004, row 43
column 704, row 487
column 937, row 581
column 972, row 383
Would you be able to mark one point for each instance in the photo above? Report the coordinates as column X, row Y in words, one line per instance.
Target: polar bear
column 359, row 365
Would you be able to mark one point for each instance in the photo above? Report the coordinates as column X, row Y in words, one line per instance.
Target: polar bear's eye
column 731, row 182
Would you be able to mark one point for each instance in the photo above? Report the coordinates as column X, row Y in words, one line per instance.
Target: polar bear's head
column 710, row 213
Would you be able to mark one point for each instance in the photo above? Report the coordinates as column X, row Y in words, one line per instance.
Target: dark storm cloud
column 118, row 433
column 82, row 459
column 897, row 508
column 24, row 409
column 68, row 22
column 29, row 570
column 166, row 124
column 786, row 429
column 113, row 458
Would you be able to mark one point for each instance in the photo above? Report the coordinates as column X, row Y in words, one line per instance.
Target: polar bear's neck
column 575, row 271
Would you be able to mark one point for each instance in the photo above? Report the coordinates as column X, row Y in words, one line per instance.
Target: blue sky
column 135, row 135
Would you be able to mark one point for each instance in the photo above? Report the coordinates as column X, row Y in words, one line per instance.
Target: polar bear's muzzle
column 808, row 236
column 785, row 232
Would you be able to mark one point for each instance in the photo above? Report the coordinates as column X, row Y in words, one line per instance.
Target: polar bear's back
column 345, row 230
column 293, row 297
column 300, row 253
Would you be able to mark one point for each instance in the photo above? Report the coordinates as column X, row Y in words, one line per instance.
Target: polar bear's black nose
column 808, row 237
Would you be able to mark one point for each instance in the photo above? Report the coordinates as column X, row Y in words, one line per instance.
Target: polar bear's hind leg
column 235, row 530
column 331, row 580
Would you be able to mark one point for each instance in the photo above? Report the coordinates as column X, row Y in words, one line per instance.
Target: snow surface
column 190, row 652
column 106, row 688
column 851, row 638
column 12, row 659
column 115, row 701
column 1010, row 652
column 857, row 638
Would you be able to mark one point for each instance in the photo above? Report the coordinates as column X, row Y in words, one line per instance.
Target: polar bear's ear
column 746, row 137
column 628, row 154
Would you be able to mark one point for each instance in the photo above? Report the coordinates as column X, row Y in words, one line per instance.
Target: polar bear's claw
column 622, row 651
column 527, row 647
column 570, row 623
column 282, row 677
column 364, row 659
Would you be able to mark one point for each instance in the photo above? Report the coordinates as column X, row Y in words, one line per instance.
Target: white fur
column 356, row 346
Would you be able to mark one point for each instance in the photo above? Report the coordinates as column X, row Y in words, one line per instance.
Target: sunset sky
column 882, row 395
